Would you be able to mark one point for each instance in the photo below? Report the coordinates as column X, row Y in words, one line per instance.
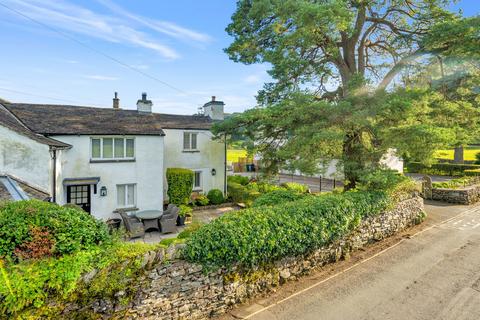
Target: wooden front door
column 79, row 195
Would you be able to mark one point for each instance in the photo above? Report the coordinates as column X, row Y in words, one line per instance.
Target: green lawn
column 468, row 153
column 233, row 155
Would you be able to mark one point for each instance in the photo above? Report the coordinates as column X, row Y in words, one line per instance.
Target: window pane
column 121, row 195
column 186, row 140
column 197, row 180
column 96, row 148
column 131, row 195
column 119, row 151
column 107, row 147
column 130, row 148
column 194, row 141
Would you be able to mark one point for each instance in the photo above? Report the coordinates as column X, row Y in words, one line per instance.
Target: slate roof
column 31, row 192
column 10, row 121
column 73, row 120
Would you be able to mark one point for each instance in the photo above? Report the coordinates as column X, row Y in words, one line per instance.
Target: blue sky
column 180, row 42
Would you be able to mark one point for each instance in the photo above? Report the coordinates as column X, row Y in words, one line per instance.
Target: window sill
column 110, row 160
column 190, row 151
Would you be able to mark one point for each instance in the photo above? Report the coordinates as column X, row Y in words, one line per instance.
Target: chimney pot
column 213, row 98
column 144, row 105
column 116, row 102
column 144, row 96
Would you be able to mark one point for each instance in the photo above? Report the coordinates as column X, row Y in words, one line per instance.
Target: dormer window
column 190, row 141
column 112, row 148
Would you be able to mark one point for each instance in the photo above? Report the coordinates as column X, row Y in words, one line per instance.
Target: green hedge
column 442, row 169
column 215, row 196
column 238, row 179
column 33, row 229
column 298, row 187
column 262, row 235
column 180, row 185
column 277, row 197
column 457, row 183
column 241, row 194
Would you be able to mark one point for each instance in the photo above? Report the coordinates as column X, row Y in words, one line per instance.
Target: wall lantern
column 103, row 191
column 214, row 172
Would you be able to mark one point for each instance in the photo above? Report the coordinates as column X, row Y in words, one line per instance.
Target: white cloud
column 100, row 77
column 165, row 27
column 68, row 17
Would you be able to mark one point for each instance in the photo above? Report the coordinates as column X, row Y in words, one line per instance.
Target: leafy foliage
column 264, row 234
column 29, row 228
column 238, row 179
column 190, row 229
column 442, row 169
column 200, row 200
column 184, row 210
column 298, row 187
column 180, row 185
column 362, row 47
column 215, row 196
column 456, row 183
column 241, row 194
column 277, row 197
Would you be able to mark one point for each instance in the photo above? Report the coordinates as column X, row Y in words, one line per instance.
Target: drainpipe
column 53, row 155
column 225, row 167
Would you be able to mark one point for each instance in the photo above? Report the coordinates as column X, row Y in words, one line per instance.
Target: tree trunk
column 458, row 155
column 352, row 160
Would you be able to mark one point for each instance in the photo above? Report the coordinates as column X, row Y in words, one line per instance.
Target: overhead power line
column 83, row 44
column 38, row 95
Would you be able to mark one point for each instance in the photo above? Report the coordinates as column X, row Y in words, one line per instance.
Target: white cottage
column 108, row 159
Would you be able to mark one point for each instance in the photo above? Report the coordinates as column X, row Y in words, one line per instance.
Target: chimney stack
column 116, row 102
column 144, row 105
column 214, row 109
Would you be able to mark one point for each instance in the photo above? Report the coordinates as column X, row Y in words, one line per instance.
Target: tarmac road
column 434, row 274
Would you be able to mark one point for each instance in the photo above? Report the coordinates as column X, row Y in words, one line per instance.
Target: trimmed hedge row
column 261, row 235
column 277, row 197
column 443, row 169
column 180, row 185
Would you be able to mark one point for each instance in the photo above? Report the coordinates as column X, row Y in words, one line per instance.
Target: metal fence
column 316, row 184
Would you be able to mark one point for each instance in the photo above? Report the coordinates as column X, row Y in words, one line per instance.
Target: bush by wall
column 238, row 179
column 180, row 185
column 297, row 187
column 442, row 169
column 215, row 196
column 34, row 229
column 261, row 235
column 241, row 194
column 277, row 197
column 457, row 183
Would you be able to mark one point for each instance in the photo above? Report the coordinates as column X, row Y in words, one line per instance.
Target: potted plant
column 183, row 213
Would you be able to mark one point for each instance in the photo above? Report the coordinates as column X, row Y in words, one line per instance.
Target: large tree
column 335, row 65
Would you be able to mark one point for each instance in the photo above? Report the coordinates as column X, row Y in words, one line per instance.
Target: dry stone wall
column 467, row 195
column 177, row 289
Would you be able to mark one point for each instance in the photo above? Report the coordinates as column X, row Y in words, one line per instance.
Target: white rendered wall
column 146, row 172
column 210, row 155
column 25, row 159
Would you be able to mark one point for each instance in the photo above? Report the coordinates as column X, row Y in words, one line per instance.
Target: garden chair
column 133, row 225
column 168, row 221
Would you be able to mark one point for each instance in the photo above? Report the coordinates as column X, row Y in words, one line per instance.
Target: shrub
column 184, row 210
column 442, row 169
column 277, row 197
column 297, row 187
column 261, row 235
column 263, row 187
column 472, row 172
column 379, row 180
column 238, row 179
column 456, row 183
column 201, row 200
column 240, row 194
column 180, row 185
column 215, row 196
column 477, row 158
column 59, row 230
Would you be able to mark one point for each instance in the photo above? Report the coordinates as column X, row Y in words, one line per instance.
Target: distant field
column 468, row 153
column 233, row 155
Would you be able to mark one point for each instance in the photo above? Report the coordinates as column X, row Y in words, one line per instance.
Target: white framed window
column 126, row 195
column 197, row 180
column 190, row 141
column 110, row 148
